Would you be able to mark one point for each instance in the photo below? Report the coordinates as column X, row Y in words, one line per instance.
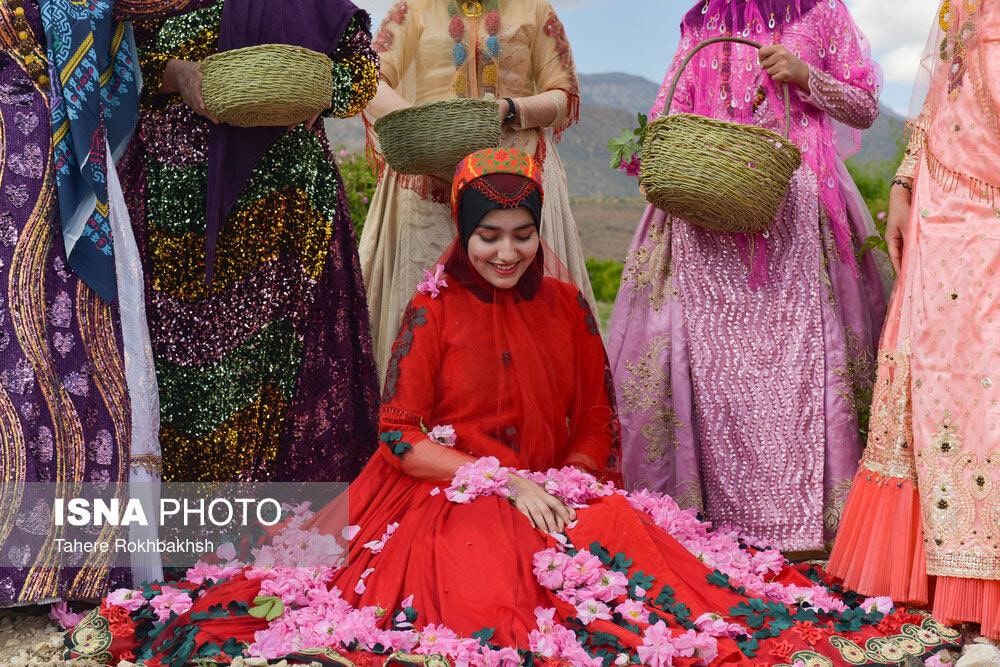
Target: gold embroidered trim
column 649, row 266
column 835, row 504
column 890, row 435
column 963, row 565
column 26, row 296
column 97, row 336
column 959, row 487
column 913, row 641
column 153, row 463
column 13, row 458
column 12, row 46
column 91, row 639
column 690, row 497
column 647, row 389
column 952, row 180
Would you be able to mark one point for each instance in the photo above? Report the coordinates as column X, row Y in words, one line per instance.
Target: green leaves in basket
column 628, row 143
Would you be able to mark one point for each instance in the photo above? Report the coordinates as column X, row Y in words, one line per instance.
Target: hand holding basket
column 266, row 85
column 433, row 138
column 727, row 177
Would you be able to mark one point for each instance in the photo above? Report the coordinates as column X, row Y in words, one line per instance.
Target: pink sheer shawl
column 726, row 81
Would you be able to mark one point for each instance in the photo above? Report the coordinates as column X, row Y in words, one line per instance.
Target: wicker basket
column 433, row 138
column 723, row 176
column 266, row 85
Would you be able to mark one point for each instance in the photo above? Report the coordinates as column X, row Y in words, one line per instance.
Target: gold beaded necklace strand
column 28, row 49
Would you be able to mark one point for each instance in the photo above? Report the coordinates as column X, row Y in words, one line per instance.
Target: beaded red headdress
column 489, row 161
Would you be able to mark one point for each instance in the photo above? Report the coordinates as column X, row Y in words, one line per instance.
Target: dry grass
column 606, row 226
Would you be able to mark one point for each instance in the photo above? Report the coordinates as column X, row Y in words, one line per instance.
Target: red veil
column 533, row 387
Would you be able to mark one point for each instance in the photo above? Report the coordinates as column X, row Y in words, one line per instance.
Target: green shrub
column 359, row 183
column 605, row 276
column 873, row 180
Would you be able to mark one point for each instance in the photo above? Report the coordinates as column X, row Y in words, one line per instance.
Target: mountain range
column 609, row 103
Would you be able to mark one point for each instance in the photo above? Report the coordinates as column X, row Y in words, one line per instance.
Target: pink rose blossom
column 609, row 585
column 589, row 611
column 631, row 167
column 570, row 484
column 226, row 552
column 271, row 643
column 716, row 626
column 548, row 568
column 436, row 639
column 882, row 605
column 482, row 477
column 706, row 648
column 937, row 661
column 443, row 435
column 553, row 641
column 657, row 648
column 767, row 562
column 203, row 571
column 126, row 598
column 692, row 644
column 397, row 640
column 632, row 611
column 170, row 600
column 504, row 657
column 433, row 282
column 294, row 584
column 824, row 600
column 582, row 570
column 61, row 614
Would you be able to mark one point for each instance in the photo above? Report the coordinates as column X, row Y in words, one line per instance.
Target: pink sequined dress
column 742, row 363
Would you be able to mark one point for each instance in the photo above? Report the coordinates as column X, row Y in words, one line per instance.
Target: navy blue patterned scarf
column 95, row 102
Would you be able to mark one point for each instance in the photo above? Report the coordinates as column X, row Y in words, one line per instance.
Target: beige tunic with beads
column 409, row 222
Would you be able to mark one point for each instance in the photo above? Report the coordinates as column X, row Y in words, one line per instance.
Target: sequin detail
column 266, row 373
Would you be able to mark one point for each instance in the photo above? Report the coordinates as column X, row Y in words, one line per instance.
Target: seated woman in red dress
column 487, row 529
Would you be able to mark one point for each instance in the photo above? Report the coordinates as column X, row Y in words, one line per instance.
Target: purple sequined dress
column 740, row 381
column 63, row 402
column 267, row 372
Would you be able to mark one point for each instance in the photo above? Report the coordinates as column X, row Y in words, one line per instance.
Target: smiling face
column 504, row 245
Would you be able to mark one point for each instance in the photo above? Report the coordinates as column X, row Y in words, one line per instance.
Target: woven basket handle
column 716, row 40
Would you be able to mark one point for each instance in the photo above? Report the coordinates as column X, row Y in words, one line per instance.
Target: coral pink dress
column 923, row 519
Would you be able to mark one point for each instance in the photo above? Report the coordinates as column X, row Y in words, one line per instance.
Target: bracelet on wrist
column 903, row 184
column 511, row 111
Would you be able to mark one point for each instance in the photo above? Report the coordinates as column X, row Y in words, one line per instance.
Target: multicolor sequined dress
column 267, row 371
column 64, row 411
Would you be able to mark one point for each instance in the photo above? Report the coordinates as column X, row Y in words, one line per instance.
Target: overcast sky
column 639, row 36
